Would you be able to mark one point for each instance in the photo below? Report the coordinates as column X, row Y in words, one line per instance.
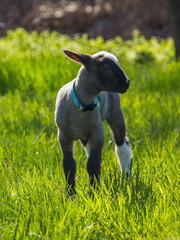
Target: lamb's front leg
column 69, row 163
column 94, row 166
column 94, row 151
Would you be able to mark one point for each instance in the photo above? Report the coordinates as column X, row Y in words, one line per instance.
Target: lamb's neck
column 85, row 90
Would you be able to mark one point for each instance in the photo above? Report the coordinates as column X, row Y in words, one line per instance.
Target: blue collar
column 82, row 107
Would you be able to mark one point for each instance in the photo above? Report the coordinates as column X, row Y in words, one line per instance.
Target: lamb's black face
column 111, row 76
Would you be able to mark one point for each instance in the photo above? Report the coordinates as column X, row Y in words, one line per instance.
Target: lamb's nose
column 127, row 81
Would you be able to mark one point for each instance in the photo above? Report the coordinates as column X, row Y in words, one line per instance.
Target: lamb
column 82, row 105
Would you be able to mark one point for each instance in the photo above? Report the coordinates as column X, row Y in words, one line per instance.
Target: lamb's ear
column 78, row 57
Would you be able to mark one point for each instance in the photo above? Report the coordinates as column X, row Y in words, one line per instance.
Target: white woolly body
column 124, row 155
column 108, row 55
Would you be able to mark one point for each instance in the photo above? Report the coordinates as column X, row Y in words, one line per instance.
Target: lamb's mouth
column 123, row 90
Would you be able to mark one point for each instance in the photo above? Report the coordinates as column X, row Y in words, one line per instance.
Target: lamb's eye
column 106, row 67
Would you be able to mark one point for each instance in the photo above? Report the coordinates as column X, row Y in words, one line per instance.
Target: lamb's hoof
column 71, row 192
column 128, row 171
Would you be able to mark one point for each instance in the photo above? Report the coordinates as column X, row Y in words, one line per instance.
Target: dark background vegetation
column 107, row 18
column 95, row 17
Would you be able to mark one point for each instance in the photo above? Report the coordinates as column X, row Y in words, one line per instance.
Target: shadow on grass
column 134, row 191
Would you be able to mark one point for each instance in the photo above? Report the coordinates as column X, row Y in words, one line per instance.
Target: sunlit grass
column 33, row 201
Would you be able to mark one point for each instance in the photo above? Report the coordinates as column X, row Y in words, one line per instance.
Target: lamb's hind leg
column 124, row 155
column 69, row 163
column 122, row 147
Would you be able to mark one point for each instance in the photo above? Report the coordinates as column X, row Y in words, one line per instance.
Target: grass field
column 33, row 203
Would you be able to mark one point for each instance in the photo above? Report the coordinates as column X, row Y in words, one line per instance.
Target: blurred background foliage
column 111, row 18
column 30, row 61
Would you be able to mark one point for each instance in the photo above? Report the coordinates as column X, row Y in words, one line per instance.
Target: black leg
column 69, row 166
column 94, row 167
column 69, row 163
column 94, row 149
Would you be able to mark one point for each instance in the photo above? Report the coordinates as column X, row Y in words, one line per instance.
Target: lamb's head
column 106, row 73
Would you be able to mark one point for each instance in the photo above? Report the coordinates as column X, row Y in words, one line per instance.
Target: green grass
column 33, row 203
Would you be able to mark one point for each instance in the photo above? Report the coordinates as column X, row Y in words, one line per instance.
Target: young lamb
column 83, row 104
